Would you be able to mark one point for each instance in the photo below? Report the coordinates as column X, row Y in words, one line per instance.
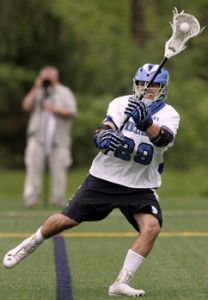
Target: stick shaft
column 162, row 63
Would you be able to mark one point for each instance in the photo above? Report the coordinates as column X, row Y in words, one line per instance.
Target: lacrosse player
column 125, row 175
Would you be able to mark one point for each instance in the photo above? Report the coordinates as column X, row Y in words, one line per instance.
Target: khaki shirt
column 62, row 97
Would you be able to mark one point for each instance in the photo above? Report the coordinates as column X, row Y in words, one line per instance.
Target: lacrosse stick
column 184, row 26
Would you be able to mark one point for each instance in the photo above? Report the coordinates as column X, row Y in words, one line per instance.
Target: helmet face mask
column 143, row 76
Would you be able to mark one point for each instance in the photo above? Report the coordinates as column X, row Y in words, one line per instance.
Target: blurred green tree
column 97, row 47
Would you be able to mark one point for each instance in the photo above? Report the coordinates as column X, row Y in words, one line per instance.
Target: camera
column 46, row 83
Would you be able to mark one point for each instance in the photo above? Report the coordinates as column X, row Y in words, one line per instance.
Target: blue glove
column 140, row 113
column 109, row 139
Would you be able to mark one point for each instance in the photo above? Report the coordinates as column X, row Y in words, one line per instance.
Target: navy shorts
column 96, row 198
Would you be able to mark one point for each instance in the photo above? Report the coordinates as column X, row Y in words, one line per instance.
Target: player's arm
column 106, row 136
column 160, row 136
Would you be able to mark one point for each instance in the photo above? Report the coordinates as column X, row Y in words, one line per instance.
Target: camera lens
column 46, row 83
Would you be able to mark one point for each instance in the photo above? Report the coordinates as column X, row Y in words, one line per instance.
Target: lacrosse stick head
column 184, row 26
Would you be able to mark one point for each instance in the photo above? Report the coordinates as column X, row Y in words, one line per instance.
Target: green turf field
column 176, row 268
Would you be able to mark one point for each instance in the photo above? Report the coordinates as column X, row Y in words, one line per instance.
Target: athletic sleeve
column 115, row 112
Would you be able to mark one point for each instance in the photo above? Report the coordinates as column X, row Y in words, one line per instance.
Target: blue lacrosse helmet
column 146, row 72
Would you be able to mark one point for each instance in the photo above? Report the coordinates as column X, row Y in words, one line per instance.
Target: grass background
column 176, row 268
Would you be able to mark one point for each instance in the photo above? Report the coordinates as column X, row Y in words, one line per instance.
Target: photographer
column 52, row 107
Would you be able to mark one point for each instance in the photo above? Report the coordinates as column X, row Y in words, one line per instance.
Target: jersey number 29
column 143, row 155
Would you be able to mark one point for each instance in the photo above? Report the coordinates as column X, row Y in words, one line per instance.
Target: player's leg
column 149, row 229
column 82, row 207
column 34, row 162
column 52, row 226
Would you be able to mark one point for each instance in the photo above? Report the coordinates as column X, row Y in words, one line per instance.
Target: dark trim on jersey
column 161, row 168
column 110, row 119
column 156, row 106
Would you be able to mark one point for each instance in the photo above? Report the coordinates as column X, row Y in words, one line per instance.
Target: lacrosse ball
column 184, row 27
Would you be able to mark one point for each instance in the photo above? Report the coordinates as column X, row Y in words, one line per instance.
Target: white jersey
column 138, row 163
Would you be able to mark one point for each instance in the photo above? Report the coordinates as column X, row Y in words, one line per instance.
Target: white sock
column 39, row 237
column 133, row 261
